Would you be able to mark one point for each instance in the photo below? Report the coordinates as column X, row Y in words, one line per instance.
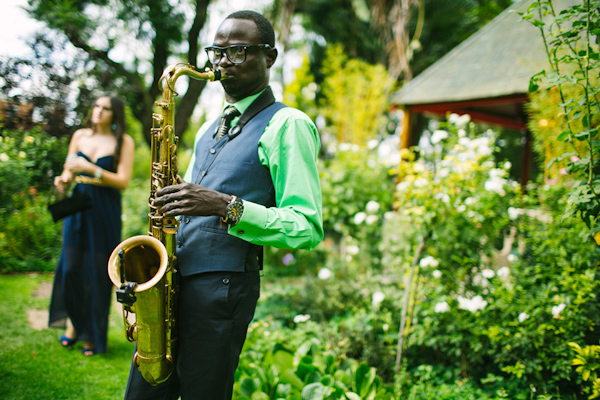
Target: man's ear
column 271, row 57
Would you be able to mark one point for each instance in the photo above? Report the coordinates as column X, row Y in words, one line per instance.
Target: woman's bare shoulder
column 83, row 132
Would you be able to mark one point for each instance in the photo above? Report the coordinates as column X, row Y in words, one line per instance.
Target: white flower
column 452, row 118
column 494, row 185
column 473, row 305
column 437, row 274
column 377, row 298
column 503, row 272
column 511, row 258
column 352, row 250
column 345, row 146
column 371, row 144
column 420, row 182
column 442, row 307
column 402, row 186
column 428, row 261
column 523, row 316
column 22, row 154
column 470, row 200
column 461, row 208
column 496, row 172
column 443, row 197
column 324, row 273
column 418, row 166
column 301, row 318
column 488, row 273
column 4, row 157
column 507, row 165
column 558, row 309
column 371, row 219
column 463, row 119
column 438, row 136
column 513, row 213
column 372, row 206
column 359, row 217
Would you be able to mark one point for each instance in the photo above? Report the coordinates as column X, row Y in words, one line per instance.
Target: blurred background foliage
column 505, row 281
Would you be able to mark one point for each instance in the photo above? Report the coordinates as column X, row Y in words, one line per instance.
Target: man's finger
column 169, row 189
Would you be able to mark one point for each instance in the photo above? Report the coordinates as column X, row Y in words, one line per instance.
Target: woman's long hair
column 118, row 124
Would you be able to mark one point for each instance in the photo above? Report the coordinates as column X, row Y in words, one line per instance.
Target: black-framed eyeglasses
column 236, row 53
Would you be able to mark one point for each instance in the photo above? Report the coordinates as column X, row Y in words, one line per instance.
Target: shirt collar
column 243, row 104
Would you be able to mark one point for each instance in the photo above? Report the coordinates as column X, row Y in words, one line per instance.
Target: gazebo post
column 406, row 135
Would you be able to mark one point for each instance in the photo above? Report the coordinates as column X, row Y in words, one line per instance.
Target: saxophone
column 144, row 267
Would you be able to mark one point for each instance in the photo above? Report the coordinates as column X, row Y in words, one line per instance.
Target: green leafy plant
column 569, row 38
column 293, row 365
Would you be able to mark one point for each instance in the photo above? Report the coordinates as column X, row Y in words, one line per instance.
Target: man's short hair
column 265, row 29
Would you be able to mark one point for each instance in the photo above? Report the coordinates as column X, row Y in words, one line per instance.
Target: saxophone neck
column 173, row 72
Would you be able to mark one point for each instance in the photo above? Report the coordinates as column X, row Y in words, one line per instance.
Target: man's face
column 251, row 76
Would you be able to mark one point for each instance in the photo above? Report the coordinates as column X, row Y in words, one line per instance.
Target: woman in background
column 100, row 159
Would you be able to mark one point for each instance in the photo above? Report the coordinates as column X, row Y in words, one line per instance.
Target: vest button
column 186, row 220
column 212, row 151
column 240, row 232
column 178, row 243
column 225, row 281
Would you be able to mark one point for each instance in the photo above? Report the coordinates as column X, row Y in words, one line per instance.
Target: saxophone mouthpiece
column 219, row 76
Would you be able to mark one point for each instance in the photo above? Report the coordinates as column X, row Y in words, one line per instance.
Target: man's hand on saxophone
column 190, row 199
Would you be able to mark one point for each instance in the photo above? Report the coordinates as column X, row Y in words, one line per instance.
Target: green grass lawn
column 33, row 364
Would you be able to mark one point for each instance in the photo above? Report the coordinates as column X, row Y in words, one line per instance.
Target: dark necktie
column 230, row 113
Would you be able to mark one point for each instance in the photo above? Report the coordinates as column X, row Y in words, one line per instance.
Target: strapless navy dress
column 82, row 289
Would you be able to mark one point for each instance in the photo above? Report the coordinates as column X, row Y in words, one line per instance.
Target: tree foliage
column 359, row 26
column 104, row 29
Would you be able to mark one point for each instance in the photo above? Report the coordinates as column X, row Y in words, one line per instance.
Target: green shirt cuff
column 252, row 223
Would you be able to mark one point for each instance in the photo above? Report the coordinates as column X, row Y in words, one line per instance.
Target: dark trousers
column 214, row 311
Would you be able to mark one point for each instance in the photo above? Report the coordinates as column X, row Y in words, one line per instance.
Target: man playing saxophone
column 247, row 186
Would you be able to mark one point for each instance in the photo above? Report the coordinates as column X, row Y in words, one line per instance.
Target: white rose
column 324, row 273
column 442, row 307
column 301, row 318
column 556, row 310
column 377, row 298
column 488, row 273
column 359, row 217
column 372, row 206
column 523, row 316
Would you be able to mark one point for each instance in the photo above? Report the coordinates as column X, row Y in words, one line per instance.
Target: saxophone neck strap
column 263, row 101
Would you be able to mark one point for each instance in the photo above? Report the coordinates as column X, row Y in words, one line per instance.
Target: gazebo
column 486, row 76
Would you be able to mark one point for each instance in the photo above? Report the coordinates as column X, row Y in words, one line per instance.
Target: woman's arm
column 118, row 180
column 63, row 180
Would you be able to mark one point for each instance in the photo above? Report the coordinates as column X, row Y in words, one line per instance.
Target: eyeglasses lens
column 235, row 54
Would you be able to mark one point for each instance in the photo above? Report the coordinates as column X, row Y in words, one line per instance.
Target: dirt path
column 38, row 319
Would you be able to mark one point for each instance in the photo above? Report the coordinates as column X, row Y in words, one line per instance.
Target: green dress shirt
column 289, row 148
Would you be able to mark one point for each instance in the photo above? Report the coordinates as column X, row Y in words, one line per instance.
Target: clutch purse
column 79, row 201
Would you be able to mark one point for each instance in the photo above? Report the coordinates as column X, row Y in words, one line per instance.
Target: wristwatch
column 234, row 211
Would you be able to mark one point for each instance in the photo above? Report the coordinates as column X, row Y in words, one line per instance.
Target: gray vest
column 230, row 165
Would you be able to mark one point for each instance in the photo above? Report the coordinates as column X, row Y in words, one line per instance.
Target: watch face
column 235, row 208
